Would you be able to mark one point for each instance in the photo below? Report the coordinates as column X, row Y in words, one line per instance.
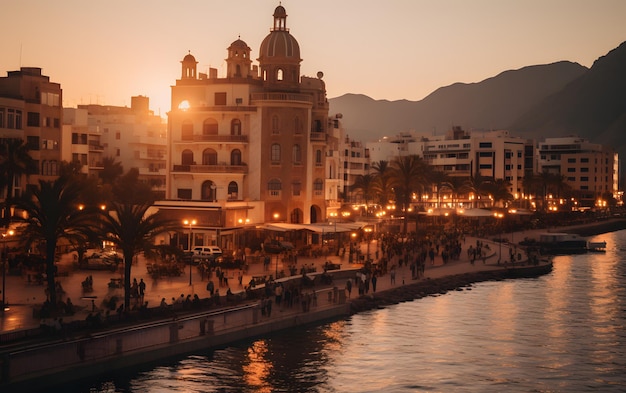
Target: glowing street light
column 5, row 239
column 191, row 223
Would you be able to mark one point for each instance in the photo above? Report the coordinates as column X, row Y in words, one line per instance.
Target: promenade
column 23, row 296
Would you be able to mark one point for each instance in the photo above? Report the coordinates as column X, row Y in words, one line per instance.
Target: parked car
column 206, row 252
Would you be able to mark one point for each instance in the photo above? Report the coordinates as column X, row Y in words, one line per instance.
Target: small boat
column 596, row 246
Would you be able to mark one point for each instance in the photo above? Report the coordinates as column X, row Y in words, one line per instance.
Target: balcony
column 318, row 136
column 216, row 139
column 211, row 168
column 294, row 97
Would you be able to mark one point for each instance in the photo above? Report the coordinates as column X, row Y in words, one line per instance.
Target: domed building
column 247, row 147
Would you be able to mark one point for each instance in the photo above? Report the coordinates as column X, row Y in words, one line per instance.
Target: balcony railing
column 211, row 168
column 216, row 138
column 281, row 97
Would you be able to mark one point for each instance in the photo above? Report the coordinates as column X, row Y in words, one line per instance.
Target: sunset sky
column 105, row 51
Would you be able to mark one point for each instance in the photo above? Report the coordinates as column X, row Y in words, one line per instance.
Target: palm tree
column 111, row 170
column 132, row 229
column 479, row 186
column 499, row 191
column 15, row 161
column 364, row 184
column 382, row 185
column 409, row 174
column 54, row 212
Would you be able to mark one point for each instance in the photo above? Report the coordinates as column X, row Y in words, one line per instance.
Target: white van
column 206, row 252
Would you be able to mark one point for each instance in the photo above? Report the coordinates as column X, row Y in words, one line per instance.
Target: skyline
column 415, row 46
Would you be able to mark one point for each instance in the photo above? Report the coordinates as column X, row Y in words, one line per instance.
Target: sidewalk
column 23, row 297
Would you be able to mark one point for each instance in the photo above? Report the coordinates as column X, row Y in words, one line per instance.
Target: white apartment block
column 590, row 169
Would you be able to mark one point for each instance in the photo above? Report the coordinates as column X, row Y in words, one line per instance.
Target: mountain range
column 557, row 99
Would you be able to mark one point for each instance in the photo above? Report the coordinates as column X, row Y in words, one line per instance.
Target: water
column 563, row 332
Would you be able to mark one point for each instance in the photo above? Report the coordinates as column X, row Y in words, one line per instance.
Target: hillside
column 491, row 104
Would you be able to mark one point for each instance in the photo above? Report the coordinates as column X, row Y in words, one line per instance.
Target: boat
column 562, row 243
column 596, row 246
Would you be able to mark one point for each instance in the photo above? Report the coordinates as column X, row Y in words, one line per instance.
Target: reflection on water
column 563, row 332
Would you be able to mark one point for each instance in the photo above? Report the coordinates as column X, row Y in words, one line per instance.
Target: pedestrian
column 142, row 289
column 374, row 280
column 349, row 287
column 392, row 274
column 210, row 287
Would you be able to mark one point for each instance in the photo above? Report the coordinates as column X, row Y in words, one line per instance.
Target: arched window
column 238, row 70
column 233, row 190
column 297, row 155
column 318, row 186
column 235, row 127
column 187, row 130
column 235, row 157
column 318, row 157
column 209, row 191
column 209, row 157
column 275, row 125
column 297, row 125
column 274, row 186
column 275, row 153
column 209, row 127
column 279, row 74
column 186, row 157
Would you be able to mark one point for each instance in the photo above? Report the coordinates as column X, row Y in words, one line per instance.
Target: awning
column 317, row 228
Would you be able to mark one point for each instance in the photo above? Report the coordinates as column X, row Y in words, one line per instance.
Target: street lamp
column 5, row 240
column 369, row 232
column 499, row 216
column 191, row 223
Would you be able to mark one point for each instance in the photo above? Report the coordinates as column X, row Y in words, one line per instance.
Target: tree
column 382, row 185
column 479, row 186
column 364, row 184
column 55, row 211
column 499, row 191
column 132, row 229
column 409, row 174
column 111, row 170
column 15, row 161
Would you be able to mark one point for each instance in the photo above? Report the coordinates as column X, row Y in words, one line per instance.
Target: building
column 134, row 137
column 31, row 110
column 589, row 169
column 248, row 147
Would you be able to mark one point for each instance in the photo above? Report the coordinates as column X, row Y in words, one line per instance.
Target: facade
column 248, row 147
column 135, row 137
column 591, row 170
column 31, row 109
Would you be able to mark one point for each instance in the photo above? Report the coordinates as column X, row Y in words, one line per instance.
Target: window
column 485, row 154
column 2, row 117
column 297, row 155
column 279, row 74
column 14, row 119
column 209, row 157
column 235, row 127
column 571, row 160
column 584, row 160
column 275, row 125
column 235, row 157
column 184, row 193
column 570, row 170
column 485, row 166
column 584, row 178
column 274, row 187
column 209, row 127
column 208, row 191
column 186, row 158
column 187, row 130
column 275, row 154
column 32, row 119
column 117, row 135
column 318, row 157
column 584, row 169
column 220, row 98
column 297, row 125
column 32, row 142
column 233, row 190
column 296, row 187
column 50, row 99
column 484, row 145
column 318, row 186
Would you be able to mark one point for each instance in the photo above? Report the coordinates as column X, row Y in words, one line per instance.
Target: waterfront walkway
column 23, row 297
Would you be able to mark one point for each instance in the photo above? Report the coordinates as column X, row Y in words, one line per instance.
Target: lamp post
column 499, row 216
column 369, row 239
column 191, row 223
column 5, row 240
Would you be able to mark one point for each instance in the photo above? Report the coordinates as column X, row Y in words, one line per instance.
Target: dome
column 279, row 43
column 238, row 44
column 280, row 12
column 189, row 59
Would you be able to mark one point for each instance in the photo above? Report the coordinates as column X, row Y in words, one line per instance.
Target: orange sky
column 105, row 51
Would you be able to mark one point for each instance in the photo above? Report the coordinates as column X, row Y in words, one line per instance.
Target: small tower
column 238, row 62
column 189, row 67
